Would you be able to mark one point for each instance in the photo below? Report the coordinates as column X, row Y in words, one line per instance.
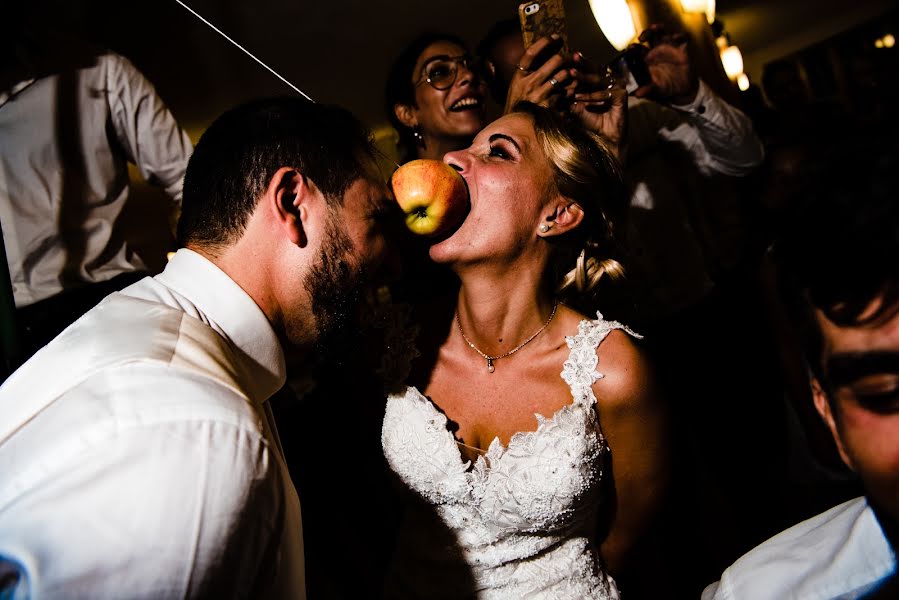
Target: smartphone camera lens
column 531, row 8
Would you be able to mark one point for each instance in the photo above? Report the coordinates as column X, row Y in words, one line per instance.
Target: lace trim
column 579, row 371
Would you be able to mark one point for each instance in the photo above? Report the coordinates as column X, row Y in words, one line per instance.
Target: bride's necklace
column 491, row 359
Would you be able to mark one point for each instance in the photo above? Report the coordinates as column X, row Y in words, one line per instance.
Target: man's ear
column 406, row 115
column 822, row 405
column 563, row 216
column 287, row 197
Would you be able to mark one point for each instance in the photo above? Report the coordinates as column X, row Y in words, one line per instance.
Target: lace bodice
column 516, row 523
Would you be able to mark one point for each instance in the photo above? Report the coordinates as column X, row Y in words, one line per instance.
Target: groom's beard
column 335, row 287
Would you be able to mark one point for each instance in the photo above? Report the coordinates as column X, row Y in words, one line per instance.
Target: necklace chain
column 491, row 359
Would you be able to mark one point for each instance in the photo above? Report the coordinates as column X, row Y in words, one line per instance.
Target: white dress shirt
column 839, row 554
column 138, row 453
column 67, row 140
column 673, row 156
column 718, row 136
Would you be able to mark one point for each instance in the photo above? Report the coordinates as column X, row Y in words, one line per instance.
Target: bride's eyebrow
column 503, row 136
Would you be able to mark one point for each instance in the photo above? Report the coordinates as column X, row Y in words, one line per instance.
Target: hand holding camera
column 600, row 102
column 671, row 76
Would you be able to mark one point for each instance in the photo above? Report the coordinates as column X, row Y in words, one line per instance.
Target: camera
column 630, row 64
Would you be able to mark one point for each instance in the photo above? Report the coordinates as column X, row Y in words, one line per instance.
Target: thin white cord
column 247, row 52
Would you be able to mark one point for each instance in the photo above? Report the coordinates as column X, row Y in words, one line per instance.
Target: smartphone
column 631, row 64
column 543, row 18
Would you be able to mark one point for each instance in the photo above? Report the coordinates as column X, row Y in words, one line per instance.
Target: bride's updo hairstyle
column 587, row 172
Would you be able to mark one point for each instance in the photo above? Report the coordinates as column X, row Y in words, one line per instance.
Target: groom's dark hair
column 238, row 155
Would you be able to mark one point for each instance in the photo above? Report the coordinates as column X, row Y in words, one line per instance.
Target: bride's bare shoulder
column 627, row 376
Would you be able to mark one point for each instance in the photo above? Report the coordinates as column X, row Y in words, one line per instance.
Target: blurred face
column 861, row 368
column 457, row 112
column 505, row 56
column 351, row 257
column 510, row 183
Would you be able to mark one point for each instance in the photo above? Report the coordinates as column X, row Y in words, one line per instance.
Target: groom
column 138, row 453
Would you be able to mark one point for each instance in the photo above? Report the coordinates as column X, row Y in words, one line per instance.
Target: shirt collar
column 233, row 314
column 7, row 95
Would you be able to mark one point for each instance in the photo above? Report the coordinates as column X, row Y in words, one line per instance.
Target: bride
column 528, row 436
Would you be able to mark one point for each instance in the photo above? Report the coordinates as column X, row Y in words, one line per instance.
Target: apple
column 433, row 196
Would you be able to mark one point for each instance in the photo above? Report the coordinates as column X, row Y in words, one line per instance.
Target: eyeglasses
column 440, row 71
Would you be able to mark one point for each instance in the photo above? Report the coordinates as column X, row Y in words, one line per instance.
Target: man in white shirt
column 73, row 117
column 138, row 451
column 839, row 257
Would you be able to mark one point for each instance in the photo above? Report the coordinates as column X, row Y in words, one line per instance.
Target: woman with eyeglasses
column 526, row 435
column 436, row 96
column 436, row 93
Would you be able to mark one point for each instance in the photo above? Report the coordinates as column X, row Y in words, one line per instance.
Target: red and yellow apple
column 432, row 195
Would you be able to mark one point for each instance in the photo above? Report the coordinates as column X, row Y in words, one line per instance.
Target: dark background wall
column 339, row 51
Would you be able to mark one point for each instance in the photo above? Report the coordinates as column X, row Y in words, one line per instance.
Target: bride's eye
column 499, row 152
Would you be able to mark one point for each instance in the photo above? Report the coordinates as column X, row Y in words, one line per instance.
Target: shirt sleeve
column 718, row 136
column 145, row 128
column 173, row 505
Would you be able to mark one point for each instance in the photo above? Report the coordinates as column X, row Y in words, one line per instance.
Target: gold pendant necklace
column 491, row 359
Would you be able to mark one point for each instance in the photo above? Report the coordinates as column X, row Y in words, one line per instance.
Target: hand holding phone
column 600, row 103
column 543, row 19
column 543, row 81
column 544, row 76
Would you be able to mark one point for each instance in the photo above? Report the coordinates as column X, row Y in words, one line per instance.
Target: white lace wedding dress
column 518, row 522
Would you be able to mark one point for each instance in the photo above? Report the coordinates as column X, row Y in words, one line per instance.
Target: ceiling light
column 732, row 59
column 615, row 20
column 700, row 6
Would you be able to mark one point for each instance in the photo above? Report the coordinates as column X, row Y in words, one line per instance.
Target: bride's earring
column 544, row 227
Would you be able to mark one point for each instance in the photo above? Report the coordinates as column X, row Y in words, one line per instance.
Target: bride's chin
column 442, row 252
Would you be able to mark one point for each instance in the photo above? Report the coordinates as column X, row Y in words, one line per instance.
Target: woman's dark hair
column 399, row 88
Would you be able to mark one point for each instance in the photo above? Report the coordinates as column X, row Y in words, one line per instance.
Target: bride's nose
column 456, row 160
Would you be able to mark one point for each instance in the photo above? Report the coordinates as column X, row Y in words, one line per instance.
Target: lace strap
column 579, row 371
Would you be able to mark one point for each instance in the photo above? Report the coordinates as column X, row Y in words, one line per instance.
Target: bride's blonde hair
column 585, row 171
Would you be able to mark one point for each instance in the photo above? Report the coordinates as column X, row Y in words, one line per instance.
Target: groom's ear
column 294, row 202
